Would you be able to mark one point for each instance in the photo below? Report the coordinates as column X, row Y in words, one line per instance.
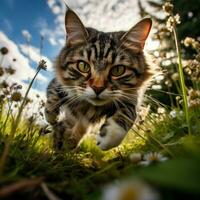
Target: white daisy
column 161, row 110
column 156, row 87
column 173, row 114
column 181, row 113
column 129, row 190
column 152, row 157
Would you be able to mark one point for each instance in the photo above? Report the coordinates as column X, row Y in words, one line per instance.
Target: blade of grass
column 182, row 80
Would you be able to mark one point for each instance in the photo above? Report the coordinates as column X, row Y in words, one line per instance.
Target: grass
column 31, row 169
column 182, row 79
column 83, row 175
column 16, row 121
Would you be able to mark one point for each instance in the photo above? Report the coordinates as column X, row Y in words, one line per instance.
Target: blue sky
column 18, row 15
column 46, row 17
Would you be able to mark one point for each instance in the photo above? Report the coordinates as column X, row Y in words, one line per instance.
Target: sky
column 23, row 23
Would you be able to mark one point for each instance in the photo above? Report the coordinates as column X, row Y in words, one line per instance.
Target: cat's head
column 101, row 67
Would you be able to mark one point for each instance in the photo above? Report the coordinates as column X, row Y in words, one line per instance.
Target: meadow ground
column 34, row 171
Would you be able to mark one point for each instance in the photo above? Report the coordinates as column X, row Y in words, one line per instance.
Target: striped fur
column 87, row 97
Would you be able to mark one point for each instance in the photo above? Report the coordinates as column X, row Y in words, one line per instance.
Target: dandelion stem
column 7, row 117
column 1, row 62
column 15, row 125
column 41, row 45
column 16, row 122
column 1, row 109
column 182, row 80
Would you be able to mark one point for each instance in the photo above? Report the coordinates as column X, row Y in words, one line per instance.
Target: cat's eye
column 117, row 70
column 83, row 67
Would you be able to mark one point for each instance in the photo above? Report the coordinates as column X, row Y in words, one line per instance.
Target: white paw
column 111, row 135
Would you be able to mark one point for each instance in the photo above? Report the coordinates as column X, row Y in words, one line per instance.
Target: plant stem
column 14, row 126
column 143, row 138
column 1, row 109
column 7, row 117
column 161, row 145
column 16, row 122
column 1, row 62
column 182, row 80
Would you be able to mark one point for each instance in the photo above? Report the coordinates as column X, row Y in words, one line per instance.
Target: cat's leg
column 51, row 111
column 61, row 127
column 67, row 130
column 78, row 131
column 62, row 131
column 115, row 128
column 58, row 135
column 52, row 105
column 68, row 133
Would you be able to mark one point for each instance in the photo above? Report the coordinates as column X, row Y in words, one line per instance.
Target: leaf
column 181, row 174
column 168, row 136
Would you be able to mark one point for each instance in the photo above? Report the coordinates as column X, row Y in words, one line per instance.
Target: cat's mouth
column 96, row 101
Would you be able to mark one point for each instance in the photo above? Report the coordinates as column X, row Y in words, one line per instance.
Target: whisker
column 165, row 92
column 127, row 89
column 57, row 104
column 73, row 101
column 158, row 103
column 131, row 98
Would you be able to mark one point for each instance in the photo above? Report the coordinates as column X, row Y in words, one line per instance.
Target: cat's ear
column 135, row 38
column 76, row 32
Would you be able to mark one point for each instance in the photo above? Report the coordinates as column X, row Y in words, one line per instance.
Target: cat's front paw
column 62, row 139
column 111, row 134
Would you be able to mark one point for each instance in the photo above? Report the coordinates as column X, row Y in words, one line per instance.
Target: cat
column 97, row 75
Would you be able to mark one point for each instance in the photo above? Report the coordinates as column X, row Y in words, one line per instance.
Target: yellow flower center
column 129, row 193
column 153, row 158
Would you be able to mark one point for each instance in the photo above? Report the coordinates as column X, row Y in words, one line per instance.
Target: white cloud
column 52, row 35
column 56, row 9
column 34, row 54
column 23, row 70
column 61, row 41
column 52, row 41
column 51, row 3
column 26, row 35
column 113, row 15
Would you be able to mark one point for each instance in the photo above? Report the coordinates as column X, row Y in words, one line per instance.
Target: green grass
column 82, row 175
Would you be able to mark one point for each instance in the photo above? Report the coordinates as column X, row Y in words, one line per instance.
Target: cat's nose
column 97, row 90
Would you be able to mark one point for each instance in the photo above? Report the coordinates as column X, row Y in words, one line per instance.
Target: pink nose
column 97, row 90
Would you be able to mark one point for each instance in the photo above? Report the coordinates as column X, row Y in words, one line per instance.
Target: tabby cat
column 98, row 75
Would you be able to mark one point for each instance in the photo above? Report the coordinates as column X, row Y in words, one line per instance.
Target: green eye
column 117, row 70
column 83, row 67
